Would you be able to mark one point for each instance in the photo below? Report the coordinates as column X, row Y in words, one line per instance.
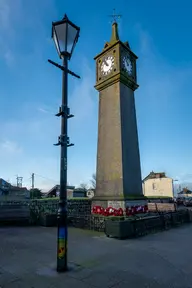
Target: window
column 154, row 185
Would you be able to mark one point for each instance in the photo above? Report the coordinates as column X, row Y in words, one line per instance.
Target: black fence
column 142, row 225
column 160, row 221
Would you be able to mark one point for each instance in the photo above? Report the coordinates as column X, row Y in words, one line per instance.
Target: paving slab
column 28, row 259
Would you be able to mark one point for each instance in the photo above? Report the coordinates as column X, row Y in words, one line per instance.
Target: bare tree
column 83, row 186
column 93, row 181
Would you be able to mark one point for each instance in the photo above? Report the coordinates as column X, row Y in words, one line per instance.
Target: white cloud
column 43, row 110
column 17, row 16
column 82, row 97
column 4, row 14
column 9, row 12
column 9, row 148
column 185, row 177
column 9, row 58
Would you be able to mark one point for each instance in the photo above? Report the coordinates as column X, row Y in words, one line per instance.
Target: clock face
column 107, row 65
column 128, row 65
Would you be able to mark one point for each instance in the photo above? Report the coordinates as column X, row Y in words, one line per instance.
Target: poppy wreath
column 133, row 210
column 110, row 211
column 146, row 209
column 139, row 209
column 105, row 212
column 129, row 211
column 97, row 210
column 118, row 212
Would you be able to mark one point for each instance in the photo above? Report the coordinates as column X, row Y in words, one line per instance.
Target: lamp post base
column 62, row 238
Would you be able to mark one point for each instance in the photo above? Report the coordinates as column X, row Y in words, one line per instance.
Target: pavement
column 28, row 259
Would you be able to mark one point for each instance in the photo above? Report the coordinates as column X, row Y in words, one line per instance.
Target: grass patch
column 117, row 218
column 57, row 199
column 119, row 198
column 159, row 197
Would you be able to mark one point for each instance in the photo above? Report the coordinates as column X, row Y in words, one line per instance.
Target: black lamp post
column 65, row 35
column 174, row 180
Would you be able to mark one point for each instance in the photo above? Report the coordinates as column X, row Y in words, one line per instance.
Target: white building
column 158, row 184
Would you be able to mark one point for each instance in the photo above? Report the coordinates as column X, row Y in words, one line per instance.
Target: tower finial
column 115, row 16
column 115, row 34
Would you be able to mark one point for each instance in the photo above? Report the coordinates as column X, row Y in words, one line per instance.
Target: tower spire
column 115, row 34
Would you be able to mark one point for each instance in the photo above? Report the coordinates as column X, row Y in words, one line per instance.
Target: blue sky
column 159, row 32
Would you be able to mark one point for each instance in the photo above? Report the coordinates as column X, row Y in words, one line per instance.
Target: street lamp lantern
column 65, row 35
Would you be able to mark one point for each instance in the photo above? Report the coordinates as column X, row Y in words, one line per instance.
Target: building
column 54, row 191
column 11, row 192
column 80, row 193
column 19, row 191
column 4, row 187
column 158, row 184
column 185, row 193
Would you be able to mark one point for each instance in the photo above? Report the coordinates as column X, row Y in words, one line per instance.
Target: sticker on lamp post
column 62, row 243
column 61, row 248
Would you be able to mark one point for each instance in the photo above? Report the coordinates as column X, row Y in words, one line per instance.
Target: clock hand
column 105, row 61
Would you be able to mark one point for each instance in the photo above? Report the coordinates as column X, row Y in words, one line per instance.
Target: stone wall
column 76, row 208
column 14, row 211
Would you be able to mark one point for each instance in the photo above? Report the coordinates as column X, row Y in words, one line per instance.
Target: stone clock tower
column 118, row 174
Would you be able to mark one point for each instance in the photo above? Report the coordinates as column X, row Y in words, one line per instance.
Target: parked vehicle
column 187, row 201
column 180, row 200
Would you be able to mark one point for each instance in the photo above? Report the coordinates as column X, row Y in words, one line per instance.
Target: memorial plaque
column 115, row 204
